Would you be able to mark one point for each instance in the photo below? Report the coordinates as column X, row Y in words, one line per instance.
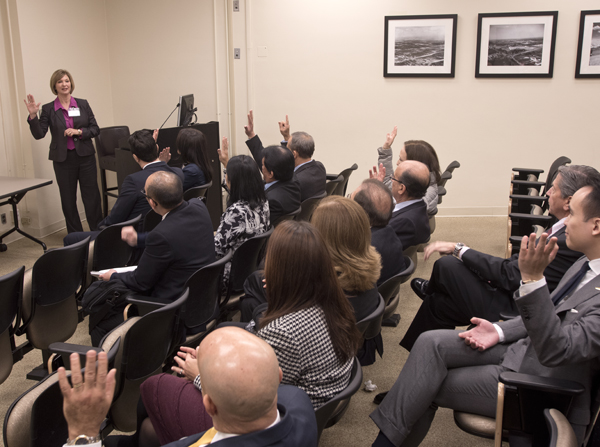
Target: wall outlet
column 236, row 5
column 3, row 218
column 236, row 53
column 26, row 220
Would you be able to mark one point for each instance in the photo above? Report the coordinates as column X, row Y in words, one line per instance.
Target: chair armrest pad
column 525, row 197
column 534, row 217
column 146, row 304
column 331, row 176
column 528, row 183
column 559, row 386
column 66, row 349
column 528, row 170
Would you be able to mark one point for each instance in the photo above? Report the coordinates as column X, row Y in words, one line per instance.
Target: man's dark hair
column 166, row 189
column 245, row 181
column 591, row 202
column 376, row 199
column 143, row 146
column 302, row 143
column 574, row 177
column 416, row 187
column 280, row 161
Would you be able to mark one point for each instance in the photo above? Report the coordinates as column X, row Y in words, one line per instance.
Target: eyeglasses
column 143, row 191
column 396, row 180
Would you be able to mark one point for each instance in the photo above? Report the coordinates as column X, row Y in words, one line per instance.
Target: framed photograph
column 516, row 45
column 588, row 49
column 419, row 46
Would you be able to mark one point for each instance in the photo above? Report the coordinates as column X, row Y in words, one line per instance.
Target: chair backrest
column 452, row 166
column 390, row 288
column 244, row 262
column 109, row 249
column 561, row 432
column 341, row 189
column 108, row 140
column 289, row 216
column 411, row 252
column 196, row 191
column 308, row 207
column 332, row 185
column 444, row 178
column 332, row 411
column 145, row 344
column 202, row 305
column 560, row 161
column 441, row 193
column 370, row 326
column 151, row 220
column 50, row 309
column 11, row 292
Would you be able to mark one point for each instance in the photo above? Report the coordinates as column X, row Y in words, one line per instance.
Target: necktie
column 571, row 284
column 206, row 438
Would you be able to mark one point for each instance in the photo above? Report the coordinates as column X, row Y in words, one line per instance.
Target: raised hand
column 284, row 128
column 377, row 175
column 390, row 137
column 444, row 248
column 224, row 152
column 155, row 135
column 483, row 336
column 165, row 155
column 249, row 128
column 32, row 107
column 534, row 258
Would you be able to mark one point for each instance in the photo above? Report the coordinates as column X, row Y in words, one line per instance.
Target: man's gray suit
column 561, row 342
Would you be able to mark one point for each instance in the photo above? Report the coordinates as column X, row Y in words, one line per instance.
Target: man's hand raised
column 284, row 128
column 377, row 175
column 534, row 258
column 249, row 128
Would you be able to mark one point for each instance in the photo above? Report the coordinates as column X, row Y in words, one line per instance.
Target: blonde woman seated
column 308, row 322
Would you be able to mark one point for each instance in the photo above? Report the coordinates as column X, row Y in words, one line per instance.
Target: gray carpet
column 355, row 429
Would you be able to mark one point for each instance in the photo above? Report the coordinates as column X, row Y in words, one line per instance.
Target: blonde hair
column 345, row 229
column 57, row 76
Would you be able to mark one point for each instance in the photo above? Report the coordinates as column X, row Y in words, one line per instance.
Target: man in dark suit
column 131, row 202
column 240, row 390
column 555, row 336
column 311, row 174
column 178, row 246
column 472, row 283
column 409, row 218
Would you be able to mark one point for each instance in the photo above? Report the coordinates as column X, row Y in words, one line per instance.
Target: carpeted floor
column 487, row 234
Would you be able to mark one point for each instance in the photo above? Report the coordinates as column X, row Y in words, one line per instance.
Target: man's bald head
column 165, row 188
column 240, row 376
column 411, row 180
column 376, row 199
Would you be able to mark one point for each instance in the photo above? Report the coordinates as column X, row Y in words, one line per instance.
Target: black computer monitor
column 186, row 110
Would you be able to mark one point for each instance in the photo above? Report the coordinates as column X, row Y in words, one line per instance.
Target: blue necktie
column 568, row 288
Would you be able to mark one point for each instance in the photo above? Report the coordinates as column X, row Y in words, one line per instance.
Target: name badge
column 74, row 111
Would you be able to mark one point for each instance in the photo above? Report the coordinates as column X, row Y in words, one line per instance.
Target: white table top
column 10, row 186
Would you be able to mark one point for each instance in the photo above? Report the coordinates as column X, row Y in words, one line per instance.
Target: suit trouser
column 83, row 170
column 455, row 294
column 443, row 371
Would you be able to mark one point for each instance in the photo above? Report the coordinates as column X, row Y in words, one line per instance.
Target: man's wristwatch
column 84, row 440
column 457, row 248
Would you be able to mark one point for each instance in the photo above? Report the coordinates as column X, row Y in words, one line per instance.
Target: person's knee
column 433, row 340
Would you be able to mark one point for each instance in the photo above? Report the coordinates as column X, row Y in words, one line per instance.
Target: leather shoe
column 419, row 286
column 377, row 400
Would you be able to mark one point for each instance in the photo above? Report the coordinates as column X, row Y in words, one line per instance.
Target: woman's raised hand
column 32, row 107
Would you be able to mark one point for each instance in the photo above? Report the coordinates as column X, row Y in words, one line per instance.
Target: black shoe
column 391, row 321
column 379, row 398
column 419, row 286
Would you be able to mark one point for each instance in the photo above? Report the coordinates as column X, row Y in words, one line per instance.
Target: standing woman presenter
column 72, row 126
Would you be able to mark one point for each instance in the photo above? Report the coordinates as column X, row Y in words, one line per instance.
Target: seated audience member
column 179, row 245
column 281, row 187
column 417, row 150
column 240, row 391
column 376, row 199
column 409, row 218
column 192, row 146
column 556, row 336
column 308, row 322
column 472, row 283
column 131, row 202
column 311, row 174
column 247, row 213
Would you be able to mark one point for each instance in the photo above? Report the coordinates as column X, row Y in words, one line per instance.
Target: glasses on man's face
column 143, row 191
column 396, row 180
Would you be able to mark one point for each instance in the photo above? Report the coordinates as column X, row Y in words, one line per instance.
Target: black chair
column 390, row 289
column 308, row 207
column 151, row 220
column 333, row 184
column 106, row 143
column 51, row 291
column 341, row 188
column 370, row 326
column 245, row 261
column 197, row 192
column 11, row 293
column 289, row 216
column 561, row 432
column 332, row 411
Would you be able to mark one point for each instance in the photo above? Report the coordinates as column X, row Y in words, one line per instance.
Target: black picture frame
column 516, row 44
column 420, row 46
column 588, row 51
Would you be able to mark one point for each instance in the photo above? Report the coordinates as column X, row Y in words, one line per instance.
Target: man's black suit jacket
column 411, row 224
column 284, row 198
column 131, row 202
column 55, row 121
column 181, row 244
column 297, row 427
column 387, row 244
column 505, row 274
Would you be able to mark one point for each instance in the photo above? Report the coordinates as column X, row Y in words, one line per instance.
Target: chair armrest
column 525, row 197
column 331, row 176
column 528, row 184
column 531, row 217
column 546, row 384
column 145, row 304
column 522, row 173
column 66, row 349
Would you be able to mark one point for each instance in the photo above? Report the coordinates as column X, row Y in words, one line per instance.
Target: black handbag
column 103, row 299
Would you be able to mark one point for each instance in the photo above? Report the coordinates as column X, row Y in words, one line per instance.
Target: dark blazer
column 131, row 202
column 505, row 274
column 55, row 121
column 284, row 198
column 388, row 245
column 192, row 176
column 363, row 303
column 297, row 427
column 411, row 224
column 181, row 244
column 312, row 178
